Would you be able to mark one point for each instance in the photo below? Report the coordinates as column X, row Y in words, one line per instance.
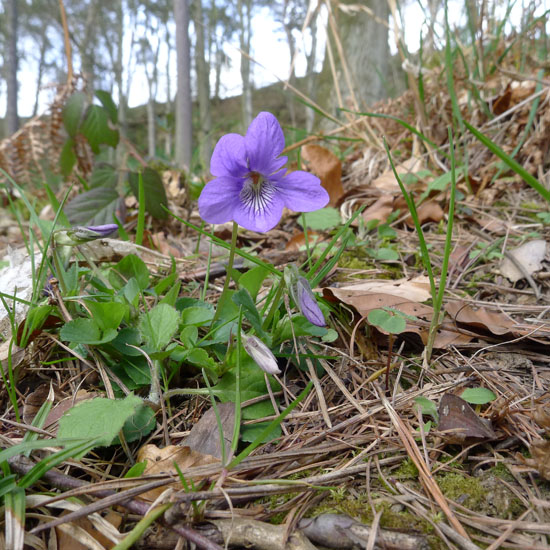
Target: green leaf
column 94, row 207
column 478, row 396
column 96, row 128
column 252, row 432
column 427, row 406
column 200, row 358
column 252, row 280
column 136, row 470
column 243, row 298
column 85, row 331
column 67, row 158
column 129, row 267
column 155, row 195
column 384, row 254
column 108, row 104
column 158, row 325
column 72, row 112
column 302, row 327
column 386, row 232
column 189, row 336
column 98, row 418
column 107, row 315
column 103, row 175
column 141, row 423
column 394, row 324
column 197, row 315
column 325, row 218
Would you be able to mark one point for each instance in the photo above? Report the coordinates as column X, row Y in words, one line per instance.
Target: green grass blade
column 515, row 166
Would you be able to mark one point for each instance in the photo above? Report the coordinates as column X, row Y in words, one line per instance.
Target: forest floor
column 381, row 453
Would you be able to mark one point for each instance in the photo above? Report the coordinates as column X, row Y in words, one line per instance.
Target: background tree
column 183, row 94
column 202, row 70
column 11, row 67
column 357, row 42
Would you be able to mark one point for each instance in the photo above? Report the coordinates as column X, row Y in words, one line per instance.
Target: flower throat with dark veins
column 257, row 192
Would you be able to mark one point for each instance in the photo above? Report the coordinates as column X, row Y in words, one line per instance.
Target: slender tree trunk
column 203, row 87
column 11, row 68
column 168, row 105
column 183, row 95
column 88, row 51
column 41, row 63
column 245, row 16
column 311, row 77
column 287, row 25
column 362, row 70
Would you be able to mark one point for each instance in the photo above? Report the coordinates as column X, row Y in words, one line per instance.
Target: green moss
column 467, row 491
column 502, row 472
column 407, row 470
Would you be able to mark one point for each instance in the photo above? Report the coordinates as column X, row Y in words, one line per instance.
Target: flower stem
column 228, row 270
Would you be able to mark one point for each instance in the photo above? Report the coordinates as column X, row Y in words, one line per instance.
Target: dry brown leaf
column 161, row 461
column 530, row 255
column 460, row 423
column 542, row 416
column 492, row 225
column 297, row 241
column 540, row 451
column 379, row 210
column 429, row 211
column 68, row 539
column 417, row 289
column 367, row 301
column 387, row 182
column 328, row 167
column 204, row 436
column 480, row 317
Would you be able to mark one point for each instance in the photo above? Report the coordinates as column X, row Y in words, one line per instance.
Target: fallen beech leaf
column 161, row 461
column 540, row 451
column 76, row 535
column 480, row 317
column 365, row 302
column 299, row 240
column 379, row 210
column 460, row 423
column 530, row 255
column 204, row 436
column 327, row 166
column 387, row 182
column 542, row 416
column 417, row 289
column 429, row 211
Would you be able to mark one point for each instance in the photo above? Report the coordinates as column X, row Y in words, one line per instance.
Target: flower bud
column 261, row 354
column 307, row 303
column 80, row 234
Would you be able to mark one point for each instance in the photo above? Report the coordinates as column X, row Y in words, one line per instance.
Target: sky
column 269, row 49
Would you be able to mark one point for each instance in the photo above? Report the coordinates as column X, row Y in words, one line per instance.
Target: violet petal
column 260, row 220
column 302, row 192
column 265, row 141
column 229, row 157
column 308, row 303
column 219, row 199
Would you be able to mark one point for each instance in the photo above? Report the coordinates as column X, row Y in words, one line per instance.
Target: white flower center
column 257, row 193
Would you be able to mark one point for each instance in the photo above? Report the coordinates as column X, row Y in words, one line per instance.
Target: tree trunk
column 168, row 106
column 311, row 58
column 183, row 95
column 288, row 25
column 203, row 87
column 245, row 16
column 364, row 41
column 41, row 64
column 11, row 68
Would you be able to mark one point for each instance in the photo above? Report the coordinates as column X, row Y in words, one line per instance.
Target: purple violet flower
column 307, row 303
column 83, row 234
column 250, row 185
